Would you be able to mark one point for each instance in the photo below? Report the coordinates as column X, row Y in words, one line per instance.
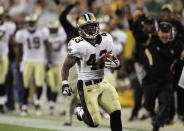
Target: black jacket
column 70, row 30
column 160, row 57
column 138, row 54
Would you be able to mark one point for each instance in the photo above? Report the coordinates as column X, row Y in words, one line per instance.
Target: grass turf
column 7, row 127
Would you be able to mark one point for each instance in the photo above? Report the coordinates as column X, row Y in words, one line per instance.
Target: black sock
column 115, row 120
column 2, row 90
column 38, row 92
column 49, row 93
column 25, row 95
column 54, row 96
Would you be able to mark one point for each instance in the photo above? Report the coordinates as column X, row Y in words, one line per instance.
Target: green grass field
column 7, row 127
column 12, row 121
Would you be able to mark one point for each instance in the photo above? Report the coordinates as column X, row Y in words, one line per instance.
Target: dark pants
column 162, row 90
column 19, row 87
column 137, row 96
column 180, row 103
column 10, row 86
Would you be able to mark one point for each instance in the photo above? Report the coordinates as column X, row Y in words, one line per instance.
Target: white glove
column 112, row 63
column 66, row 89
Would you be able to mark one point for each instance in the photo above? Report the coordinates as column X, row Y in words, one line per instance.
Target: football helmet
column 53, row 27
column 31, row 22
column 87, row 25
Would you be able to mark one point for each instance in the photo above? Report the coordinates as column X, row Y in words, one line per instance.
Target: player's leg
column 110, row 102
column 112, row 79
column 50, row 88
column 72, row 100
column 27, row 78
column 90, row 112
column 150, row 93
column 3, row 72
column 137, row 89
column 39, row 71
column 164, row 97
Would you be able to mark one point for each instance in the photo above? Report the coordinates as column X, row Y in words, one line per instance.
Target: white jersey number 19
column 36, row 43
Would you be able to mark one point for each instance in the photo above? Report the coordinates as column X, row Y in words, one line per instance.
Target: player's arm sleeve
column 11, row 27
column 19, row 37
column 45, row 33
column 74, row 49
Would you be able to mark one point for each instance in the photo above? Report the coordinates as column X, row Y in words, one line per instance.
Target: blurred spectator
column 177, row 6
column 5, row 3
column 137, row 4
column 153, row 6
column 18, row 8
column 178, row 9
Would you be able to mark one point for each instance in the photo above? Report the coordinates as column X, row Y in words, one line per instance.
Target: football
column 107, row 56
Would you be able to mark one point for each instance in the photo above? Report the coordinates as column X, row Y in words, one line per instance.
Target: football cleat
column 23, row 110
column 38, row 110
column 79, row 112
column 51, row 110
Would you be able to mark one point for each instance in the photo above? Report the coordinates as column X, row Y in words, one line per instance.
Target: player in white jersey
column 57, row 42
column 33, row 43
column 88, row 51
column 6, row 31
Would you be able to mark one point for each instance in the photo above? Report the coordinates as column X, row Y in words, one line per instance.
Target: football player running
column 33, row 42
column 56, row 41
column 6, row 31
column 88, row 51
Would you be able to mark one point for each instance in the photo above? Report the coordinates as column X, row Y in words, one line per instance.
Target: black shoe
column 133, row 118
column 155, row 128
column 2, row 109
column 144, row 117
column 67, row 124
column 169, row 122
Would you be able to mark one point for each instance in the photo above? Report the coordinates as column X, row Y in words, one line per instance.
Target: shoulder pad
column 77, row 40
column 104, row 34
